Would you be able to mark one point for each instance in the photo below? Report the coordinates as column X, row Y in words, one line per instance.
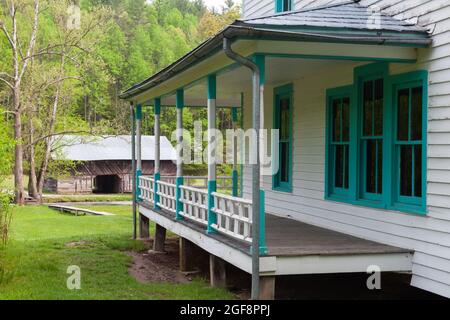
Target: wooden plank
column 77, row 211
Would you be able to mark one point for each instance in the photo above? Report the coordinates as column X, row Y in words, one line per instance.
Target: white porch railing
column 167, row 196
column 201, row 182
column 195, row 204
column 234, row 216
column 147, row 189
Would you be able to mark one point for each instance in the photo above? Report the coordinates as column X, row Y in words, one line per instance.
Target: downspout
column 133, row 169
column 255, row 166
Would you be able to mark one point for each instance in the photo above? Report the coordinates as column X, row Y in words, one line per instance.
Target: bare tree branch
column 61, row 133
column 9, row 84
column 32, row 38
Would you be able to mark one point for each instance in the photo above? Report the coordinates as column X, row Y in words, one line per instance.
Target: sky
column 217, row 3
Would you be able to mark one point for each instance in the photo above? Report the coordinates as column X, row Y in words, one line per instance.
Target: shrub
column 5, row 218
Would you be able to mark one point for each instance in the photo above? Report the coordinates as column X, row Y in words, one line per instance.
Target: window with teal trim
column 283, row 5
column 372, row 138
column 283, row 122
column 409, row 143
column 339, row 144
column 376, row 140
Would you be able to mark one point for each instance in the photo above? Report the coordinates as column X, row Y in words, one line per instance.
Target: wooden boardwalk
column 77, row 211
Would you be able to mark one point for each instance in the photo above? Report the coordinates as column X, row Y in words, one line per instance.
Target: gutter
column 256, row 80
column 249, row 32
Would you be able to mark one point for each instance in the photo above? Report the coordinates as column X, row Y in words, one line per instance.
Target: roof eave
column 235, row 31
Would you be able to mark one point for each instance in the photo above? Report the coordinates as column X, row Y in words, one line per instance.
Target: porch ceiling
column 231, row 84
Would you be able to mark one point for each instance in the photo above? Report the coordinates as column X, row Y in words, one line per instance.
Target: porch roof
column 348, row 23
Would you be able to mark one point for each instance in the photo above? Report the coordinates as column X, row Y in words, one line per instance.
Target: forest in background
column 63, row 64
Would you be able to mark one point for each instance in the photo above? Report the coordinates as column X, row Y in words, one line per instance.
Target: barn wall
column 82, row 181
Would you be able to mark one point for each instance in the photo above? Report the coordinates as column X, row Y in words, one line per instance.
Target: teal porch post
column 212, row 183
column 235, row 177
column 179, row 178
column 157, row 174
column 138, row 150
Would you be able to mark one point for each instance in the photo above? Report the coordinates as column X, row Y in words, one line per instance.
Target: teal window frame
column 278, row 93
column 390, row 198
column 330, row 190
column 279, row 6
column 409, row 81
column 371, row 72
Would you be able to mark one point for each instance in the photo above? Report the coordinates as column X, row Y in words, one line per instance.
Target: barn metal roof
column 347, row 22
column 102, row 148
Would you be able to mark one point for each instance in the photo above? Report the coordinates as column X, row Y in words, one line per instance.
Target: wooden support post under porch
column 160, row 238
column 144, row 227
column 187, row 256
column 217, row 272
column 267, row 288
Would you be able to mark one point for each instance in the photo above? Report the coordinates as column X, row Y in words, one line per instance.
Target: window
column 338, row 140
column 409, row 144
column 376, row 140
column 283, row 5
column 282, row 180
column 372, row 139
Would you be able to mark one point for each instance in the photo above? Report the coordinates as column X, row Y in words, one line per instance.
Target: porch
column 291, row 247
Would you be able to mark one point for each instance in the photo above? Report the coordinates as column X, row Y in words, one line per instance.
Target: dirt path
column 158, row 267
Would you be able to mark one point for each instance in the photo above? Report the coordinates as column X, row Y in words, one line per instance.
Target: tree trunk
column 32, row 181
column 18, row 154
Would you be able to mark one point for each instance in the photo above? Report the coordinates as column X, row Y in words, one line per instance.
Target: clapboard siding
column 429, row 236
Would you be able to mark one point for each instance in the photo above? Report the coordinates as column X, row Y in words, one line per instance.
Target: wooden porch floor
column 288, row 237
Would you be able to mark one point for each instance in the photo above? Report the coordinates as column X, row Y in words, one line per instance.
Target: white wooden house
column 360, row 91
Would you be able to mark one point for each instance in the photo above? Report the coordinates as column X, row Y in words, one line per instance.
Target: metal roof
column 102, row 148
column 347, row 15
column 347, row 22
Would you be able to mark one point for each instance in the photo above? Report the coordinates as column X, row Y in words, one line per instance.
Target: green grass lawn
column 36, row 259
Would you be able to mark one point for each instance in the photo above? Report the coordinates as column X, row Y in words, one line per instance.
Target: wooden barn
column 104, row 164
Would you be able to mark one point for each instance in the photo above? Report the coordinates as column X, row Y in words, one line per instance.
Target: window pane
column 284, row 161
column 284, row 118
column 345, row 119
column 406, row 170
column 418, row 171
column 368, row 108
column 346, row 166
column 339, row 167
column 416, row 114
column 378, row 105
column 380, row 166
column 336, row 120
column 286, row 5
column 371, row 168
column 402, row 115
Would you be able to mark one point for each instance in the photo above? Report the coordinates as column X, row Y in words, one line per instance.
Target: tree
column 20, row 61
column 56, row 84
